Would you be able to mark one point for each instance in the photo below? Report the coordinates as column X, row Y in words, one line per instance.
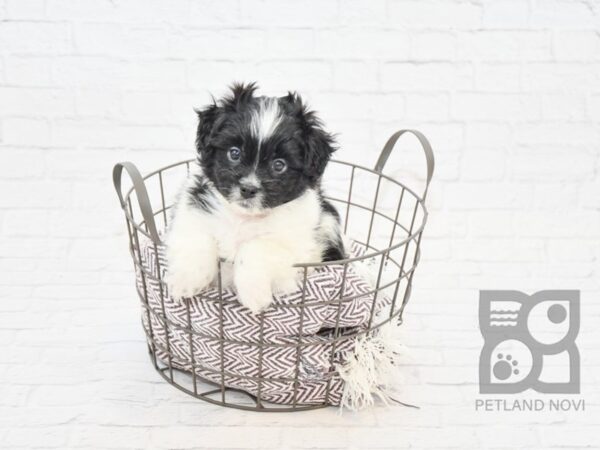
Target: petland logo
column 529, row 343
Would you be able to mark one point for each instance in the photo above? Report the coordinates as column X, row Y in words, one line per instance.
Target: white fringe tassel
column 372, row 368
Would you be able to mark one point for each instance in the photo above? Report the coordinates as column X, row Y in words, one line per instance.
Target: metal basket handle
column 141, row 193
column 389, row 145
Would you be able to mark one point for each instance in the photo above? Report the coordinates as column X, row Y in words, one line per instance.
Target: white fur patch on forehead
column 265, row 119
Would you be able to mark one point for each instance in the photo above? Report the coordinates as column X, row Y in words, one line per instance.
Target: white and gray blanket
column 296, row 367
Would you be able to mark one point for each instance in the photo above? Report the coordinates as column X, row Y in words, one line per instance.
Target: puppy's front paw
column 288, row 281
column 190, row 280
column 253, row 288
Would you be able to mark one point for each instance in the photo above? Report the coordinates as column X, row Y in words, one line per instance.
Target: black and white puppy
column 253, row 198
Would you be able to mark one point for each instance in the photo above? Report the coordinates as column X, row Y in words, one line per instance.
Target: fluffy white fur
column 372, row 369
column 260, row 246
column 265, row 119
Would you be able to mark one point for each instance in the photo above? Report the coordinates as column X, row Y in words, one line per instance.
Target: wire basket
column 385, row 220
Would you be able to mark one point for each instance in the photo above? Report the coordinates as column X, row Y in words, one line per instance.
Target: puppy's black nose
column 248, row 191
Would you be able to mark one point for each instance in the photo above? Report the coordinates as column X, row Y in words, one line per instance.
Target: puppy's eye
column 234, row 154
column 279, row 166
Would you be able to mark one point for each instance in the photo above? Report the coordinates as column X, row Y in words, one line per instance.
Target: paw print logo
column 511, row 361
column 503, row 368
column 521, row 333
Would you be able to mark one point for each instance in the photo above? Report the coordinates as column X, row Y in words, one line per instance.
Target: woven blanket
column 227, row 335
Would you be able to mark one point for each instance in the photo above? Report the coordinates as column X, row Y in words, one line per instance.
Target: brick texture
column 508, row 91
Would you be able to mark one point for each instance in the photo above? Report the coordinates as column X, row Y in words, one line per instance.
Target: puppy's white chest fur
column 260, row 249
column 292, row 226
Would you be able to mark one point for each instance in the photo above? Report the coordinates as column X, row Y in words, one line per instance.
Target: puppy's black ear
column 212, row 116
column 207, row 118
column 319, row 143
column 320, row 146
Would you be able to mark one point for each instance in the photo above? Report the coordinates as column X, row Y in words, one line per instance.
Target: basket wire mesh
column 390, row 241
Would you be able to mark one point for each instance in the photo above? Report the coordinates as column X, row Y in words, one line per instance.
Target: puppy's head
column 261, row 152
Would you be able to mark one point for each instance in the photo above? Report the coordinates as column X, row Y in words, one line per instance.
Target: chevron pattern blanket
column 289, row 366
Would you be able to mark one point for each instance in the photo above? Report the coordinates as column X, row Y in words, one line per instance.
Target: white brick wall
column 508, row 91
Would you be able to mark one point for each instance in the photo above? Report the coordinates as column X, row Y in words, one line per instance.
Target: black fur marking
column 334, row 252
column 335, row 246
column 299, row 139
column 329, row 208
column 201, row 195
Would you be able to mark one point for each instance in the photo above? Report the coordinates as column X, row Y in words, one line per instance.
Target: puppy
column 253, row 199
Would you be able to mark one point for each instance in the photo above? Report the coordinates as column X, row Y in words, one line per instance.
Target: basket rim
column 414, row 233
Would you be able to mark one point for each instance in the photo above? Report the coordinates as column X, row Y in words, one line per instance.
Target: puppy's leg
column 261, row 266
column 192, row 253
